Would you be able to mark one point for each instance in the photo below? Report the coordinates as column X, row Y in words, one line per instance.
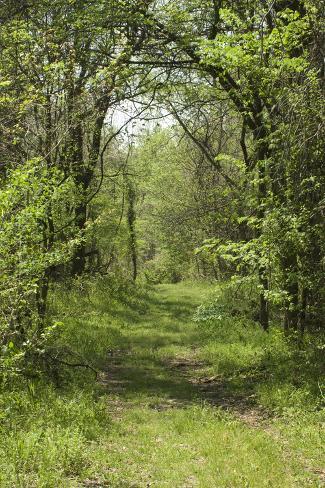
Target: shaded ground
column 186, row 386
column 157, row 368
column 176, row 406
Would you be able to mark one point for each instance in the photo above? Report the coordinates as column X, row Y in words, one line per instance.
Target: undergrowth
column 61, row 431
column 283, row 373
column 49, row 423
column 281, row 376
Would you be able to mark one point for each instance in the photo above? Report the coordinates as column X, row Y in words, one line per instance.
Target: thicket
column 230, row 185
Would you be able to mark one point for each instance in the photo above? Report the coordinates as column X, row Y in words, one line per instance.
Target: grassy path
column 172, row 425
column 173, row 407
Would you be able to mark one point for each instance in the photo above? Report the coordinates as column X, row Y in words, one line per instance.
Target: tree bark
column 262, row 153
column 131, row 218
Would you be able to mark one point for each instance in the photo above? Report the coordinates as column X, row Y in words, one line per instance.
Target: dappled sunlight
column 162, row 298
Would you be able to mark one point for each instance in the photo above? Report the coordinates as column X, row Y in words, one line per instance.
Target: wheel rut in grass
column 202, row 390
column 159, row 365
column 213, row 391
column 170, row 380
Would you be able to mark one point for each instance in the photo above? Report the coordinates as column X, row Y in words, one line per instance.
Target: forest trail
column 165, row 347
column 173, row 424
column 145, row 143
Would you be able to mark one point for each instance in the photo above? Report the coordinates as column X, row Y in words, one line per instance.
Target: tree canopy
column 231, row 184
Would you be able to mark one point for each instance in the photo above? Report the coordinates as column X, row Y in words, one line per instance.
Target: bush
column 230, row 299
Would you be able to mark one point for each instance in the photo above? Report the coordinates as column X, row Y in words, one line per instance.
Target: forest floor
column 164, row 411
column 177, row 423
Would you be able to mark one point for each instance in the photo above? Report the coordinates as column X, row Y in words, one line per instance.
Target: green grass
column 147, row 422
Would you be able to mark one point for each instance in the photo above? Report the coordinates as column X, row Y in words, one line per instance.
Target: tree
column 255, row 54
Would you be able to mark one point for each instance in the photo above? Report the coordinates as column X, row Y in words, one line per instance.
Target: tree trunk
column 83, row 174
column 302, row 314
column 79, row 259
column 262, row 153
column 289, row 265
column 131, row 218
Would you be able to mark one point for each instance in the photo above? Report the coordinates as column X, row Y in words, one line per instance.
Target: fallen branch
column 77, row 365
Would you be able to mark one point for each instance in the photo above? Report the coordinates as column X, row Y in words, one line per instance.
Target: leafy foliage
column 32, row 202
